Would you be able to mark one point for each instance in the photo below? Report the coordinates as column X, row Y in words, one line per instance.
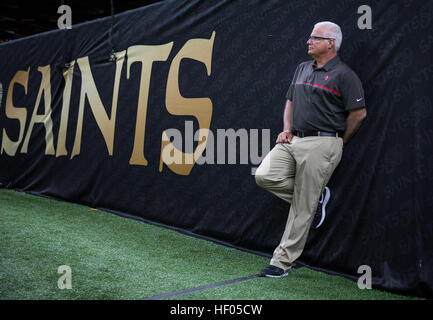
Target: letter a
column 65, row 281
column 364, row 281
column 65, row 20
column 365, row 21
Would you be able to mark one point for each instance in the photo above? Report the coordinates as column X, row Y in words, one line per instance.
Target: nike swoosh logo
column 359, row 99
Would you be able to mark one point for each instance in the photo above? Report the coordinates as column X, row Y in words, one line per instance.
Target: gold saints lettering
column 143, row 55
column 176, row 104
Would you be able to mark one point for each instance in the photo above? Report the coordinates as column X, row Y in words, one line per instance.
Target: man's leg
column 316, row 158
column 276, row 173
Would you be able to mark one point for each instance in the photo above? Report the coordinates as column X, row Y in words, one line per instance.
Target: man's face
column 318, row 47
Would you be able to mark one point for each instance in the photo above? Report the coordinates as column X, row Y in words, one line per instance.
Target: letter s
column 176, row 104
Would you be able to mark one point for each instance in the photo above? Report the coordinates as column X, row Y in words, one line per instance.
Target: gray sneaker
column 273, row 272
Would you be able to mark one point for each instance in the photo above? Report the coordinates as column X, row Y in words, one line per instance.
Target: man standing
column 325, row 106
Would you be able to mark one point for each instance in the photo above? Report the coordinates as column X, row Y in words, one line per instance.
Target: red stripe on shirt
column 318, row 85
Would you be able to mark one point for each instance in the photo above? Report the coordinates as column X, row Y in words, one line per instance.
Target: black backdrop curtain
column 76, row 126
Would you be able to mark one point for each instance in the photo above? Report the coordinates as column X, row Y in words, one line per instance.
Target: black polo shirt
column 322, row 97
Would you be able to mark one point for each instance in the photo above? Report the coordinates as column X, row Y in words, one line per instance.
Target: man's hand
column 284, row 137
column 354, row 120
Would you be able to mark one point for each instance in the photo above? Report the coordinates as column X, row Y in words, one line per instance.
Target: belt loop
column 318, row 133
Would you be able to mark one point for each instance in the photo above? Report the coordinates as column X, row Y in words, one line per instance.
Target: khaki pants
column 298, row 172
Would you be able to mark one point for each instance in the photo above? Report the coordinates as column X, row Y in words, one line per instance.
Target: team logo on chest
column 326, row 77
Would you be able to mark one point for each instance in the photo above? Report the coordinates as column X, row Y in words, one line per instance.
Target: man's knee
column 263, row 181
column 260, row 180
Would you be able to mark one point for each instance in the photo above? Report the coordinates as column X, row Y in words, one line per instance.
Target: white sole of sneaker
column 283, row 275
column 325, row 202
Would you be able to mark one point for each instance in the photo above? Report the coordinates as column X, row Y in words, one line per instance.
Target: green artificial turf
column 112, row 257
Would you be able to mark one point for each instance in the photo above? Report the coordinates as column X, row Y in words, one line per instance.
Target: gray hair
column 332, row 31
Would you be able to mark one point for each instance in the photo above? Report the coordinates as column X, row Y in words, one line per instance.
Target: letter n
column 89, row 91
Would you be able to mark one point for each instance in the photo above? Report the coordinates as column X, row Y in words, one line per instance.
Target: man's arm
column 354, row 120
column 286, row 135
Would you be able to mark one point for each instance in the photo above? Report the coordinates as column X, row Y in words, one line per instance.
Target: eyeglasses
column 314, row 38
